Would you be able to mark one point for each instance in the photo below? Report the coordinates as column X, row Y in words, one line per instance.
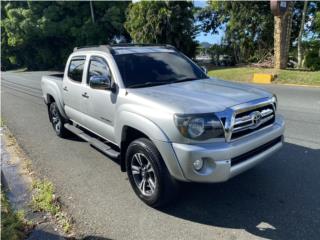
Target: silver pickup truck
column 162, row 117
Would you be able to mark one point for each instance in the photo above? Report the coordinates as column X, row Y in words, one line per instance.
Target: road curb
column 296, row 85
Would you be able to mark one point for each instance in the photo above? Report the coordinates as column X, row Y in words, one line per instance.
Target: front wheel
column 148, row 174
column 57, row 120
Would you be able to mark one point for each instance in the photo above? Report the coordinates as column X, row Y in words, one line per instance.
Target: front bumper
column 224, row 160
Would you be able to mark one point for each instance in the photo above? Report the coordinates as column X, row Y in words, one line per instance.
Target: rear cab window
column 76, row 68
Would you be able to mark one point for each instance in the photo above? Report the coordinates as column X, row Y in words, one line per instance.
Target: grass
column 245, row 74
column 43, row 196
column 44, row 199
column 13, row 224
column 1, row 122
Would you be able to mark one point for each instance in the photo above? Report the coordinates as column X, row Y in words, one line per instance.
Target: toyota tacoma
column 162, row 117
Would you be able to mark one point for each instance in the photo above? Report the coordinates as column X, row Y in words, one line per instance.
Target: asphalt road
column 279, row 199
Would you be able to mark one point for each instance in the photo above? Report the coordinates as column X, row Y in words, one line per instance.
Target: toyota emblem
column 256, row 118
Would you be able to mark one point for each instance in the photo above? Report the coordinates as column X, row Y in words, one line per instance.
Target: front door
column 100, row 105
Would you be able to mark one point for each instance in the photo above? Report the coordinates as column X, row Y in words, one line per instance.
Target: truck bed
column 52, row 85
column 57, row 76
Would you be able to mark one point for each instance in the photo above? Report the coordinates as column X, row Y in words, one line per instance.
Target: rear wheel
column 57, row 120
column 148, row 174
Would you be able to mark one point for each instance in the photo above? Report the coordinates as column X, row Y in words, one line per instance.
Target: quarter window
column 98, row 67
column 76, row 68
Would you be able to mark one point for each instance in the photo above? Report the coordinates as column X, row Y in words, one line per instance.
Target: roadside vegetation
column 43, row 195
column 41, row 34
column 44, row 199
column 245, row 74
column 13, row 224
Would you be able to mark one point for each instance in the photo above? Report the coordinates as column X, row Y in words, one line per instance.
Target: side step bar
column 106, row 149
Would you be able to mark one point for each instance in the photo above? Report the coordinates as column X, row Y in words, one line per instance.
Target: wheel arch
column 137, row 126
column 50, row 98
column 128, row 135
column 133, row 126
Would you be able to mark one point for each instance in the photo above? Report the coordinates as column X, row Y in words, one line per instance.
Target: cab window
column 76, row 68
column 99, row 68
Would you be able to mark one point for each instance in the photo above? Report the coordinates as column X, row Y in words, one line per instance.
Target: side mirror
column 100, row 82
column 204, row 69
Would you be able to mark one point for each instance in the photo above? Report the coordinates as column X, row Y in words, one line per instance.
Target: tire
column 159, row 187
column 57, row 120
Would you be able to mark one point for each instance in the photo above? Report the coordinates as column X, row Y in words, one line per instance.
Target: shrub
column 312, row 60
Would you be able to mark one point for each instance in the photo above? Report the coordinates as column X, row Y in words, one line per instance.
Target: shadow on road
column 279, row 199
column 41, row 234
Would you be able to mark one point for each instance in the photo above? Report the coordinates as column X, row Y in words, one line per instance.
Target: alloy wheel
column 55, row 117
column 143, row 174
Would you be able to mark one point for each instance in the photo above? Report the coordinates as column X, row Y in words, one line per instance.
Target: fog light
column 198, row 164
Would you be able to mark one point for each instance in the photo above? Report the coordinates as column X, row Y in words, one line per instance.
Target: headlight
column 274, row 99
column 199, row 126
column 196, row 127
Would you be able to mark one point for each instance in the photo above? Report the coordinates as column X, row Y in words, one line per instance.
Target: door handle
column 85, row 95
column 65, row 89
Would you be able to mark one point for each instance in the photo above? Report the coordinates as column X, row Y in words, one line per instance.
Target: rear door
column 73, row 89
column 100, row 104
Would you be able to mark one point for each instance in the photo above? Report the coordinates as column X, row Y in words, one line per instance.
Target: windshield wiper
column 183, row 80
column 147, row 84
column 151, row 84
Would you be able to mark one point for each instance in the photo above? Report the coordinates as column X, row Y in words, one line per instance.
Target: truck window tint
column 137, row 68
column 98, row 67
column 76, row 69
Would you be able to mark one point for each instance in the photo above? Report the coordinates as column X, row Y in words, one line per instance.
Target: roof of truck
column 118, row 49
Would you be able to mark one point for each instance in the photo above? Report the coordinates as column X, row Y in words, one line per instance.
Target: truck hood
column 198, row 96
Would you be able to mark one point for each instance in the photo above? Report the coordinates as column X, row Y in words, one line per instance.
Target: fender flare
column 56, row 95
column 140, row 123
column 154, row 133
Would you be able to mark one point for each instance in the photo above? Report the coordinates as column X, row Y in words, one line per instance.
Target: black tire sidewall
column 59, row 133
column 149, row 150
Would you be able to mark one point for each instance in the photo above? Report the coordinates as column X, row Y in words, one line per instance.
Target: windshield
column 156, row 68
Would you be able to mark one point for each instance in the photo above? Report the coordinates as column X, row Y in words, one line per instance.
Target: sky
column 208, row 37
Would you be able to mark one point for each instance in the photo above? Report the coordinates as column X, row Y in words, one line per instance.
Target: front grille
column 254, row 152
column 252, row 120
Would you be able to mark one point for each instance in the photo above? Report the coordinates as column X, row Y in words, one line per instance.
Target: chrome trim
column 266, row 112
column 252, row 125
column 251, row 120
column 249, row 134
column 229, row 114
column 252, row 105
column 248, row 118
column 244, row 119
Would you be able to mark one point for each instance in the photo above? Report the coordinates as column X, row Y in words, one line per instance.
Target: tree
column 40, row 35
column 317, row 27
column 163, row 22
column 304, row 12
column 282, row 35
column 248, row 27
column 317, row 22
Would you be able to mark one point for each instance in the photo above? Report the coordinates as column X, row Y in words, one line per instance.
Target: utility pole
column 92, row 11
column 282, row 11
